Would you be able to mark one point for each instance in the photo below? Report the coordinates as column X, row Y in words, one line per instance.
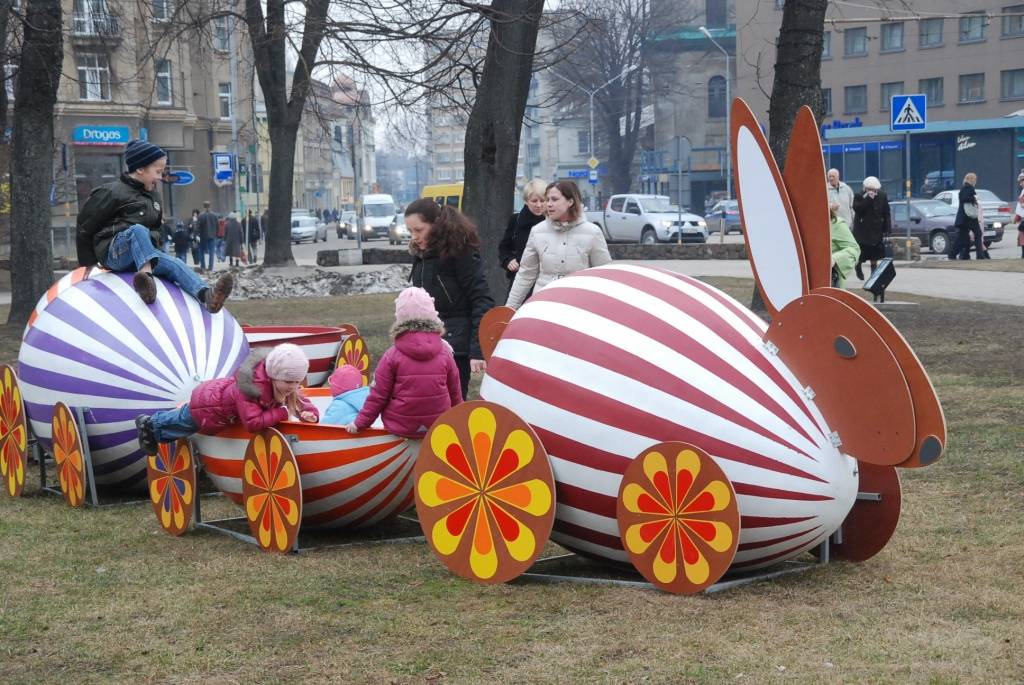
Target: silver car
column 308, row 228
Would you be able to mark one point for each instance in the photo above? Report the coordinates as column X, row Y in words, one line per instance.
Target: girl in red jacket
column 263, row 392
column 417, row 379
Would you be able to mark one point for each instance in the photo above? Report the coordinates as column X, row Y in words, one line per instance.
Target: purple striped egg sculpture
column 93, row 344
column 611, row 360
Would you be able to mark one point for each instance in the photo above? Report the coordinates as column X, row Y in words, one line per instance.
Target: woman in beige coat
column 560, row 245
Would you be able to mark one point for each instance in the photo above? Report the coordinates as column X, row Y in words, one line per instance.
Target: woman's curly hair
column 451, row 231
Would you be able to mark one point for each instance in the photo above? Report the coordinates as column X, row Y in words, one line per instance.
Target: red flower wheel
column 353, row 352
column 678, row 517
column 67, row 453
column 492, row 325
column 13, row 433
column 172, row 486
column 485, row 494
column 271, row 491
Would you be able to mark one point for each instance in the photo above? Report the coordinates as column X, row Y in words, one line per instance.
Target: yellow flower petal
column 716, row 534
column 533, row 496
column 638, row 500
column 519, row 540
column 435, row 489
column 640, row 536
column 483, row 557
column 254, row 505
column 714, row 497
column 482, row 426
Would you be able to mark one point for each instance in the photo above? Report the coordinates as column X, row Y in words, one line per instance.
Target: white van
column 378, row 215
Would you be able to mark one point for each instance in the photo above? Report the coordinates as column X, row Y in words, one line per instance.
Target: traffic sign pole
column 908, row 113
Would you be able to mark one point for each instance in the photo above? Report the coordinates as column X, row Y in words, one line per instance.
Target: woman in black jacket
column 510, row 249
column 968, row 224
column 872, row 221
column 447, row 265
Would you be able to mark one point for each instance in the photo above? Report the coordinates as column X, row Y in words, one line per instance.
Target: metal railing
column 95, row 24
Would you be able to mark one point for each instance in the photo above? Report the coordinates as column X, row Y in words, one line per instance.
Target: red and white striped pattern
column 611, row 360
column 348, row 481
column 320, row 343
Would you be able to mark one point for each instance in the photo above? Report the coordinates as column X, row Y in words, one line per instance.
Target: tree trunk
column 492, row 135
column 32, row 156
column 278, row 250
column 797, row 79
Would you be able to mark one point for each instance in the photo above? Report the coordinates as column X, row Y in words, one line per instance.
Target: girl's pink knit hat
column 287, row 362
column 345, row 378
column 415, row 304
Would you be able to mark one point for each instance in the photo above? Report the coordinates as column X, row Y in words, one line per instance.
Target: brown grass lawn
column 104, row 596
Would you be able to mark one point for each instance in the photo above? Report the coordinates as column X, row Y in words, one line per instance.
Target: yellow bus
column 445, row 194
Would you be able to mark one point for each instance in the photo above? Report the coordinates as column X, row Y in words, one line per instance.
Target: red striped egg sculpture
column 92, row 344
column 677, row 431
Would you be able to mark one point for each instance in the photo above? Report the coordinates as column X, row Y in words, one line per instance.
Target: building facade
column 967, row 57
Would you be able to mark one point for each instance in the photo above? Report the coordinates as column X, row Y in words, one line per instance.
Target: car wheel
column 939, row 242
column 648, row 237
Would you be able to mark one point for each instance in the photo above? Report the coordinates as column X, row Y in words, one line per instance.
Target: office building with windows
column 967, row 57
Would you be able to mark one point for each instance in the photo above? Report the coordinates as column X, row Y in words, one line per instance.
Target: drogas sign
column 101, row 135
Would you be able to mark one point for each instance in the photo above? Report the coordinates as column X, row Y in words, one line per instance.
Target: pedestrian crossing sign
column 908, row 113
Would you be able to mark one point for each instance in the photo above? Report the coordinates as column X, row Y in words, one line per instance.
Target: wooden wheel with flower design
column 492, row 325
column 678, row 517
column 354, row 352
column 271, row 491
column 13, row 434
column 172, row 486
column 67, row 454
column 485, row 494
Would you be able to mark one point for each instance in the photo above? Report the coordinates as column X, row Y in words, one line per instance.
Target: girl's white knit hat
column 415, row 304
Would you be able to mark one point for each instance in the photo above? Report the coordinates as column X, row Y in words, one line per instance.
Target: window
column 972, row 87
column 929, row 33
column 582, row 142
column 826, row 101
column 716, row 98
column 715, row 13
column 932, row 88
column 1013, row 26
column 221, row 40
column 855, row 41
column 887, row 91
column 1012, row 87
column 617, row 202
column 161, row 10
column 224, row 94
column 856, row 99
column 164, row 83
column 91, row 18
column 892, row 36
column 972, row 28
column 93, row 77
column 826, row 45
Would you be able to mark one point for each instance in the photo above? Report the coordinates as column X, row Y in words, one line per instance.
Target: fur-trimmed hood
column 247, row 376
column 413, row 325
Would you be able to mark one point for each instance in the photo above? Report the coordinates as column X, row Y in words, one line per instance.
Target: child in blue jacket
column 349, row 395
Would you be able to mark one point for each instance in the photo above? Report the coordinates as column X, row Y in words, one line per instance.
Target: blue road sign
column 593, row 176
column 224, row 175
column 908, row 113
column 181, row 178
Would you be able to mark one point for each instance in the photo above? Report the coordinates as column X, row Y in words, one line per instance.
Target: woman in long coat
column 510, row 249
column 966, row 225
column 233, row 238
column 872, row 221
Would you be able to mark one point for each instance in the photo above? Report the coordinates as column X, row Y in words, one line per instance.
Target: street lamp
column 728, row 151
column 591, row 94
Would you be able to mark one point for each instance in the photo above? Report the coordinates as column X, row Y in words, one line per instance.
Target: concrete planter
column 352, row 257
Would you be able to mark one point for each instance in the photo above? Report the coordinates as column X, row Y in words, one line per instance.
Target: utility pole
column 233, row 76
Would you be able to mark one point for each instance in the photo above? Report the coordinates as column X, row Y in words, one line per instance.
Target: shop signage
column 839, row 123
column 101, row 135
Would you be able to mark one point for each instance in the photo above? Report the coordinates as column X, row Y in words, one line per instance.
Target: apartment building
column 127, row 74
column 967, row 57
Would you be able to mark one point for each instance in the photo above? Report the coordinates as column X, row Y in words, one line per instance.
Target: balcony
column 95, row 28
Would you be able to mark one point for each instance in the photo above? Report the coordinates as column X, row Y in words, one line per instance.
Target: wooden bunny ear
column 773, row 241
column 805, row 181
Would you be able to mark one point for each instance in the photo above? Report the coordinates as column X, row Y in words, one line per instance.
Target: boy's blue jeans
column 172, row 424
column 131, row 248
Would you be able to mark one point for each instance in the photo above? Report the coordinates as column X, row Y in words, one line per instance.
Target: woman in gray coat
column 233, row 238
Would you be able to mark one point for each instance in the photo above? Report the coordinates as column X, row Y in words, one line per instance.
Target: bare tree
column 32, row 155
column 492, row 137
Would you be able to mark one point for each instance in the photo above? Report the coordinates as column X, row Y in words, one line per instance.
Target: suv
column 648, row 219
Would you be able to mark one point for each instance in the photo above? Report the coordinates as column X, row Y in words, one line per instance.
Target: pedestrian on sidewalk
column 1019, row 214
column 967, row 223
column 517, row 232
column 872, row 222
column 234, row 238
column 207, row 236
column 840, row 197
column 120, row 228
column 253, row 234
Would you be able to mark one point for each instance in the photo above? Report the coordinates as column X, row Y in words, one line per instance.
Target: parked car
column 930, row 220
column 732, row 217
column 399, row 232
column 308, row 228
column 997, row 213
column 647, row 219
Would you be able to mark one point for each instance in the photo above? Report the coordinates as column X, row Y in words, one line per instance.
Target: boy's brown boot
column 218, row 293
column 145, row 286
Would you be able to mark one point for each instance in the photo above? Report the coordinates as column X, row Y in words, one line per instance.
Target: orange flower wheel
column 172, row 486
column 871, row 522
column 492, row 325
column 485, row 494
column 67, row 454
column 678, row 517
column 13, row 434
column 271, row 491
column 354, row 352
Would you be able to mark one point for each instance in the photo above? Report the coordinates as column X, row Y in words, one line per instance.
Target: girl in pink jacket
column 416, row 380
column 263, row 392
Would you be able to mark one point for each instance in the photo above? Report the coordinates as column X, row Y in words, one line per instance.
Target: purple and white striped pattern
column 611, row 360
column 94, row 344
